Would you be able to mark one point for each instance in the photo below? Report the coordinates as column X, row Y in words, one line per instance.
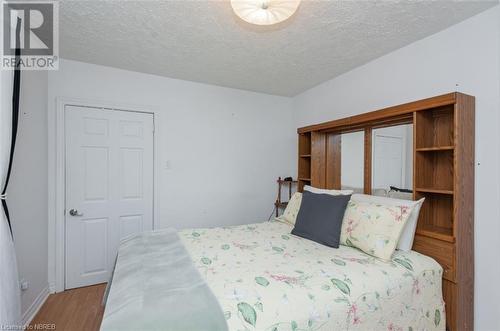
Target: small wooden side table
column 279, row 204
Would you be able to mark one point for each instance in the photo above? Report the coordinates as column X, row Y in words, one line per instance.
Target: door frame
column 57, row 178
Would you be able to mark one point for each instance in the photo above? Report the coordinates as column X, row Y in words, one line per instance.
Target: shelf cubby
column 304, row 166
column 436, row 128
column 436, row 216
column 305, row 144
column 434, row 171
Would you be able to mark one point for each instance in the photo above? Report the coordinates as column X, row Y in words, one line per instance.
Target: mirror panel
column 392, row 161
column 352, row 161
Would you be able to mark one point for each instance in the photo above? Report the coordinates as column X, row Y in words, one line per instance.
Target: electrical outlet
column 24, row 285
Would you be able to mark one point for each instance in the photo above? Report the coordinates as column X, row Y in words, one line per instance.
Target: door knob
column 74, row 212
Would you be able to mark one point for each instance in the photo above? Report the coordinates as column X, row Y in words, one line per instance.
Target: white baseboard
column 35, row 306
column 52, row 287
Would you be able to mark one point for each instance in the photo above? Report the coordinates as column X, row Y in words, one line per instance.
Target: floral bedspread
column 267, row 279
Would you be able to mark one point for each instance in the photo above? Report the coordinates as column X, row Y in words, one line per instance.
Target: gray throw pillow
column 320, row 218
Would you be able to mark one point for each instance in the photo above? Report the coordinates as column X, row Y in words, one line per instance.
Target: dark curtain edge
column 15, row 119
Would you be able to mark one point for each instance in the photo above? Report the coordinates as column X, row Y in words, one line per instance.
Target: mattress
column 264, row 278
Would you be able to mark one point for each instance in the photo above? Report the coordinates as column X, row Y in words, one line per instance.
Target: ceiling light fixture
column 264, row 12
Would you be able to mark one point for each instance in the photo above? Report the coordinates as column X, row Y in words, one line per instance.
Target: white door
column 109, row 188
column 388, row 161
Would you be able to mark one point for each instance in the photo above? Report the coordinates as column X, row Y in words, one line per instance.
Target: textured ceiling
column 205, row 41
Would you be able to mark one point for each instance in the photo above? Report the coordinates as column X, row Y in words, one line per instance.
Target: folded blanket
column 156, row 287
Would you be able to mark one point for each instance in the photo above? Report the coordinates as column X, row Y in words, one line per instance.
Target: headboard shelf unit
column 443, row 174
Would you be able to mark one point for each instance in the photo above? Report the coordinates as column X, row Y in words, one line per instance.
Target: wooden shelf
column 281, row 204
column 293, row 181
column 435, row 149
column 305, row 155
column 437, row 233
column 436, row 191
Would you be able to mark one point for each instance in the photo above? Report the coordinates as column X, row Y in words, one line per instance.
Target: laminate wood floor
column 71, row 310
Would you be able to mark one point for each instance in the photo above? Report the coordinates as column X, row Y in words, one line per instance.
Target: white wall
column 27, row 193
column 464, row 58
column 224, row 147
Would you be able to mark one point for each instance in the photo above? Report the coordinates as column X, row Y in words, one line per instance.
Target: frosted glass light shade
column 264, row 12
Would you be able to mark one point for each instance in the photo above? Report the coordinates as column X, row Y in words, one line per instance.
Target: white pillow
column 353, row 189
column 292, row 209
column 379, row 192
column 324, row 191
column 373, row 227
column 405, row 242
column 400, row 195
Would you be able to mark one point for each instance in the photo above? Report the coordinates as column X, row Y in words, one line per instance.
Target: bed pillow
column 292, row 209
column 320, row 218
column 352, row 188
column 374, row 228
column 379, row 192
column 400, row 195
column 405, row 242
column 325, row 191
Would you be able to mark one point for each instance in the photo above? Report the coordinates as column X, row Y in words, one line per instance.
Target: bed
column 264, row 278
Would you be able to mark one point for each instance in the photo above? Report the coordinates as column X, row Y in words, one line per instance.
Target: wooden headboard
column 443, row 173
